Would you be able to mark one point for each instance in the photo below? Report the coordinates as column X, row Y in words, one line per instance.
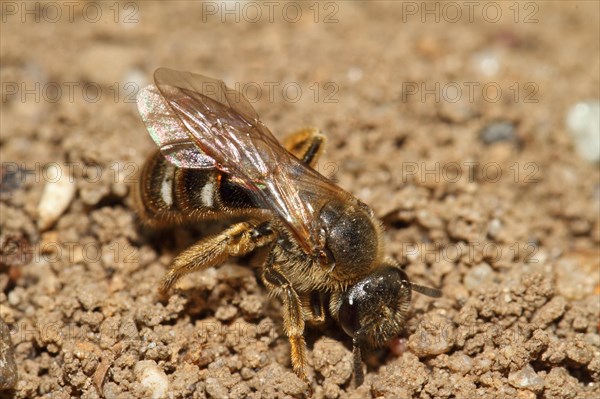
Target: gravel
column 506, row 225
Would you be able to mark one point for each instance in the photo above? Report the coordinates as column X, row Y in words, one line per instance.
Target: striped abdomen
column 167, row 194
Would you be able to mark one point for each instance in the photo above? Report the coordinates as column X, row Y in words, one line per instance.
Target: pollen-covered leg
column 293, row 318
column 307, row 145
column 238, row 240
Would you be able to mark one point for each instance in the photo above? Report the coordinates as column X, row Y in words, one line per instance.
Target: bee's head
column 374, row 309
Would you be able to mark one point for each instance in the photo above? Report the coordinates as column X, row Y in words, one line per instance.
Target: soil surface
column 447, row 118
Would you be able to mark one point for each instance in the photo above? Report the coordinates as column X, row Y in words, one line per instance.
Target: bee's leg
column 314, row 307
column 293, row 318
column 359, row 375
column 307, row 145
column 238, row 240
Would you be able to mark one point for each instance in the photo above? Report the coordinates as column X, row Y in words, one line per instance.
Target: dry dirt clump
column 483, row 197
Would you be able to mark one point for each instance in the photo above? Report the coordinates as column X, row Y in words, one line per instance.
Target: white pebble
column 153, row 378
column 583, row 122
column 354, row 74
column 137, row 77
column 494, row 227
column 58, row 194
column 526, row 378
column 14, row 297
column 478, row 278
column 486, row 62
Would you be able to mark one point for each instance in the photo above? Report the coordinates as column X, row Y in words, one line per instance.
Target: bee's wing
column 168, row 132
column 223, row 127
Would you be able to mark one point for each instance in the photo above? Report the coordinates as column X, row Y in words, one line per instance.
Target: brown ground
column 512, row 241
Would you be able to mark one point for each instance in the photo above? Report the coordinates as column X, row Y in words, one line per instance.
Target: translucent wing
column 216, row 124
column 168, row 132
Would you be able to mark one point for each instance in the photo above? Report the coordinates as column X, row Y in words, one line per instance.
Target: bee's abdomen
column 166, row 194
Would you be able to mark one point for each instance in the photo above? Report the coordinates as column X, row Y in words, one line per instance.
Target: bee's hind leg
column 307, row 145
column 238, row 240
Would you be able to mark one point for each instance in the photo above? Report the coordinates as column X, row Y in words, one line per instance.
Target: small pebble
column 486, row 62
column 583, row 122
column 137, row 77
column 226, row 312
column 12, row 177
column 354, row 74
column 594, row 367
column 436, row 334
column 550, row 311
column 573, row 280
column 455, row 107
column 479, row 277
column 252, row 305
column 215, row 388
column 579, row 351
column 94, row 194
column 526, row 378
column 58, row 194
column 498, row 131
column 494, row 227
column 333, row 361
column 331, row 391
column 153, row 378
column 460, row 362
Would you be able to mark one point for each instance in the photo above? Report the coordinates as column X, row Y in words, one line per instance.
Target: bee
column 322, row 250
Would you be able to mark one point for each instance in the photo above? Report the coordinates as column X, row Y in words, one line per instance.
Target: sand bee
column 322, row 249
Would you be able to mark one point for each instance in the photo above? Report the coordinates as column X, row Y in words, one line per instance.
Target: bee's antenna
column 432, row 292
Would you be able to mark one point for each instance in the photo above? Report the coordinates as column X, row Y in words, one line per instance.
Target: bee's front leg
column 314, row 308
column 293, row 318
column 238, row 240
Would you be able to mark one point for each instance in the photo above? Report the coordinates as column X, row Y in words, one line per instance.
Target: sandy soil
column 451, row 126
